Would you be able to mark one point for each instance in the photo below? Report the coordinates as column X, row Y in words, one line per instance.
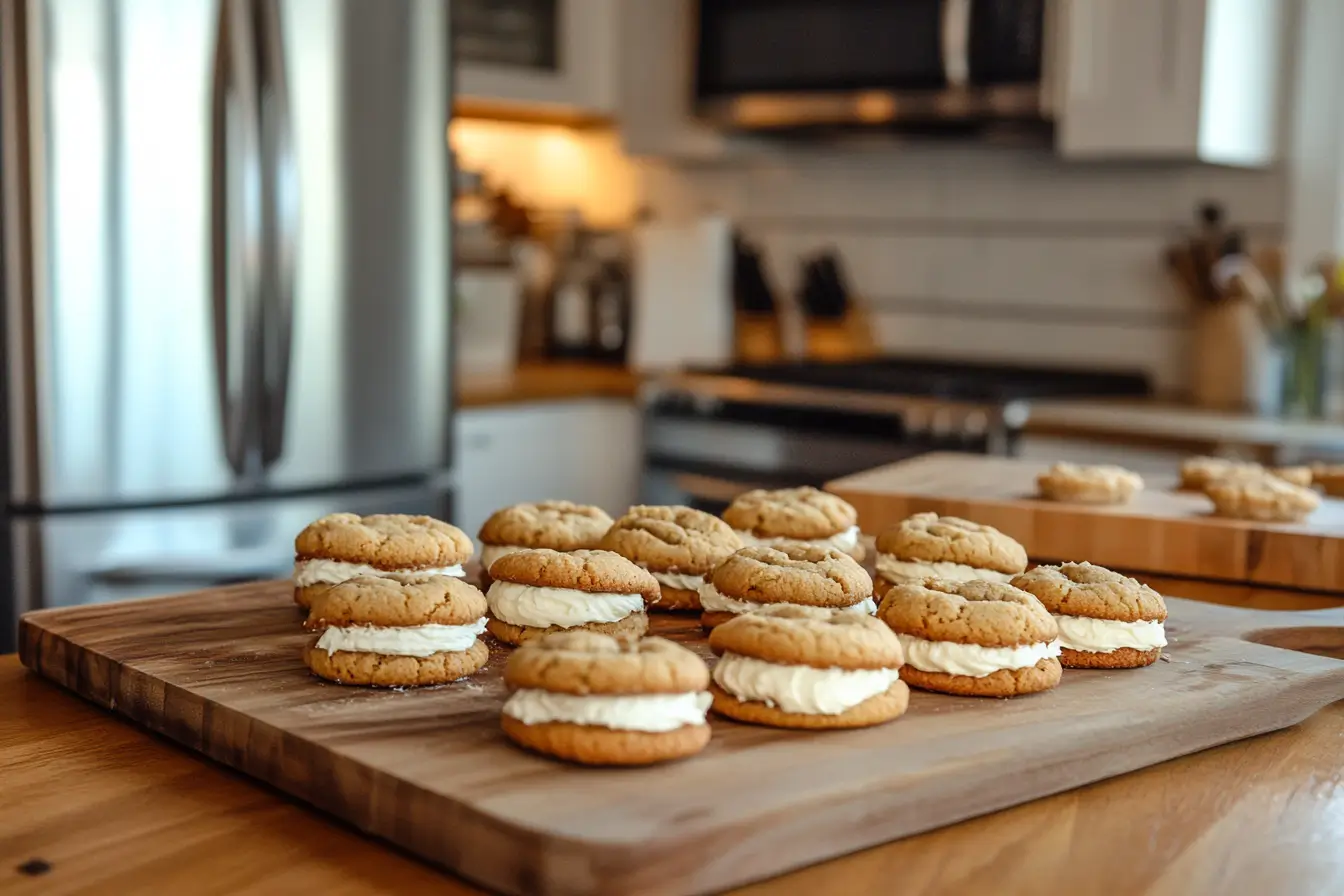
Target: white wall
column 985, row 251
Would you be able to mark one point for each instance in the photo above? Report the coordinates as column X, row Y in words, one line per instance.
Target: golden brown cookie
column 796, row 574
column 385, row 541
column 792, row 573
column 1082, row 589
column 1106, row 620
column 930, row 538
column 988, row 614
column 589, row 663
column 588, row 745
column 558, row 525
column 379, row 670
column 789, row 667
column 1004, row 683
column 596, row 571
column 982, row 639
column 1263, row 498
column 800, row 513
column 1198, row 472
column 679, row 600
column 672, row 539
column 600, row 700
column 791, row 636
column 366, row 600
column 1076, row 484
column 632, row 626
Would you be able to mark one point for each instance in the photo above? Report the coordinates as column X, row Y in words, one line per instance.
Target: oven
column 710, row 435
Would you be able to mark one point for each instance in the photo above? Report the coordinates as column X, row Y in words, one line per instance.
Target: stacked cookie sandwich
column 974, row 639
column 342, row 546
column 795, row 515
column 789, row 668
column 539, row 592
column 1106, row 620
column 677, row 545
column 818, row 580
column 927, row 545
column 387, row 633
column 599, row 700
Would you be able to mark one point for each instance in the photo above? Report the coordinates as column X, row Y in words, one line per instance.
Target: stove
column 711, row 433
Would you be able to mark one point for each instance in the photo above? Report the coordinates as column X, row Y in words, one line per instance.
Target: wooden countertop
column 94, row 803
column 550, row 381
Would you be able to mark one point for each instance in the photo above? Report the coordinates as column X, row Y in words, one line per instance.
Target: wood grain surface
column 1160, row 531
column 428, row 770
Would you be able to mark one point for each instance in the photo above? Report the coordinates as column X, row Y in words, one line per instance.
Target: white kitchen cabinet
column 1168, row 79
column 587, row 451
column 583, row 84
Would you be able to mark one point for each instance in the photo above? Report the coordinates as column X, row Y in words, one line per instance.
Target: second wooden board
column 1161, row 531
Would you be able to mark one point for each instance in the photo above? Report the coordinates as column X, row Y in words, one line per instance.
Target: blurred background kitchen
column 670, row 250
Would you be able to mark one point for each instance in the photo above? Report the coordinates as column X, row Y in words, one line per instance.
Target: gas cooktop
column 949, row 380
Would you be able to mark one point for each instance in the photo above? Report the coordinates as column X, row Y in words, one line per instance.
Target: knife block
column 849, row 338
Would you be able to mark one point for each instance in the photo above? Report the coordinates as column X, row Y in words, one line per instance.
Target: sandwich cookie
column 1198, row 472
column 795, row 515
column 386, row 633
column 600, row 700
column 1106, row 620
column 342, row 546
column 789, row 668
column 1264, row 498
column 975, row 639
column 678, row 545
column 818, row 580
column 537, row 592
column 927, row 545
column 1089, row 484
column 557, row 525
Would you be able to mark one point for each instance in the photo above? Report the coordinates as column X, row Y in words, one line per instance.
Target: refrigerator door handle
column 280, row 195
column 236, row 228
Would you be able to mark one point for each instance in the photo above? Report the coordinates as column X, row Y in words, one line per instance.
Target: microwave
column 775, row 65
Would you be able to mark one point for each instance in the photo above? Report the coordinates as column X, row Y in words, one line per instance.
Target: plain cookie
column 1076, row 484
column 558, row 525
column 1262, row 498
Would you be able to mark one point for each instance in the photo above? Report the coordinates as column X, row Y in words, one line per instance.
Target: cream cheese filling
column 492, row 552
column 715, row 601
column 538, row 606
column 1109, row 635
column 896, row 570
column 846, row 540
column 414, row 640
column 639, row 712
column 972, row 660
column 320, row 571
column 800, row 689
column 683, row 581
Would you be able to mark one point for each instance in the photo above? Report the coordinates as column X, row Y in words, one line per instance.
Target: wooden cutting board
column 219, row 671
column 1160, row 531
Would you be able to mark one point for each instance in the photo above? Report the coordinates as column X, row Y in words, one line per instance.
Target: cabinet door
column 1129, row 75
column 575, row 75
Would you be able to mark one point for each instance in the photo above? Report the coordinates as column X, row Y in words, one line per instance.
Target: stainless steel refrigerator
column 227, row 281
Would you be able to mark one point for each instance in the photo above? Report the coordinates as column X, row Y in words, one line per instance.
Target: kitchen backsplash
column 991, row 252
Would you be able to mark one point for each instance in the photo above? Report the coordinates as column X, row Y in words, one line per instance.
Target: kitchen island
column 91, row 802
